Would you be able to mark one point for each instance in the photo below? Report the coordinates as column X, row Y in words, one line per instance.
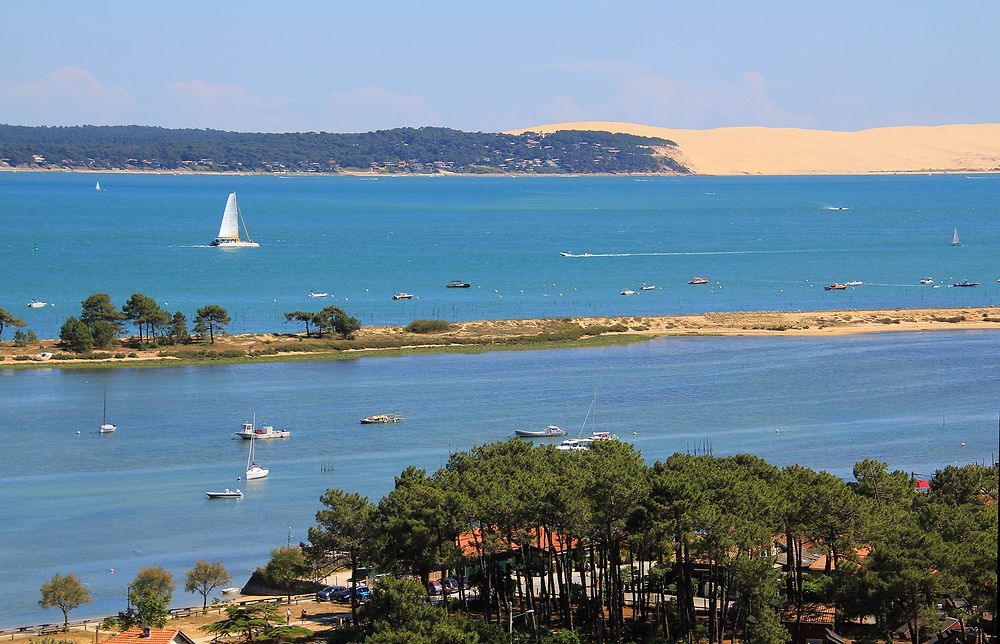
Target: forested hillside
column 400, row 151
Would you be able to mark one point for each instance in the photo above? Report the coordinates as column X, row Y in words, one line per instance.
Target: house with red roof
column 147, row 635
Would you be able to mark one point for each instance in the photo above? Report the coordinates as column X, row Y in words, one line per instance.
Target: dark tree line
column 690, row 548
column 426, row 149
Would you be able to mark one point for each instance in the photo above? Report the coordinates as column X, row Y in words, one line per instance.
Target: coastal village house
column 149, row 635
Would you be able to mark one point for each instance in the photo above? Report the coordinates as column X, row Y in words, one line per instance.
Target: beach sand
column 780, row 151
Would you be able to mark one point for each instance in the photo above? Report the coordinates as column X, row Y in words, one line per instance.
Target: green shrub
column 427, row 326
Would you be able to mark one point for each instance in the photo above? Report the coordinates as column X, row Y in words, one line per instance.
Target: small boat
column 854, row 283
column 927, row 281
column 320, row 294
column 966, row 284
column 254, row 471
column 98, row 187
column 403, row 296
column 574, row 445
column 383, row 419
column 835, row 287
column 43, row 356
column 226, row 494
column 838, row 208
column 250, row 430
column 698, row 280
column 458, row 284
column 551, row 430
column 232, row 590
column 565, row 254
column 229, row 230
column 628, row 291
column 35, row 304
column 648, row 287
column 106, row 427
column 955, row 241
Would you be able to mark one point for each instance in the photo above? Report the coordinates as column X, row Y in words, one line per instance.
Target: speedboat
column 551, row 430
column 647, row 287
column 226, row 494
column 699, row 280
column 929, row 280
column 565, row 254
column 457, row 284
column 403, row 296
column 628, row 291
column 574, row 445
column 250, row 430
column 853, row 283
column 320, row 294
column 965, row 284
column 603, row 436
column 383, row 419
column 835, row 287
column 35, row 304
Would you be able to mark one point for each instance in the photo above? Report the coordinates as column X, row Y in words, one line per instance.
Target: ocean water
column 765, row 242
column 87, row 503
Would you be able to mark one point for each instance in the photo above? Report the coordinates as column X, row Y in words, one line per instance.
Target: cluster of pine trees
column 694, row 547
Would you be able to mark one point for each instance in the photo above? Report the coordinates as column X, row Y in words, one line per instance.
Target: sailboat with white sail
column 229, row 231
column 254, row 471
column 106, row 427
column 98, row 187
column 955, row 241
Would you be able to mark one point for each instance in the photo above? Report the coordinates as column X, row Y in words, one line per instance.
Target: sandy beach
column 498, row 335
column 789, row 151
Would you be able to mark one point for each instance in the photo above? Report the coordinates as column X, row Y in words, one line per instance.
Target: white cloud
column 375, row 108
column 223, row 106
column 66, row 96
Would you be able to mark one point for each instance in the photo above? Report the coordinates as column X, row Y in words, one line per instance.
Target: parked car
column 449, row 585
column 434, row 587
column 327, row 593
column 345, row 594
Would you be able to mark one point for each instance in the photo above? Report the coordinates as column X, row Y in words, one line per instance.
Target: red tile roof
column 156, row 636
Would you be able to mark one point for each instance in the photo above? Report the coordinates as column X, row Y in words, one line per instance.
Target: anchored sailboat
column 106, row 427
column 954, row 238
column 229, row 231
column 254, row 471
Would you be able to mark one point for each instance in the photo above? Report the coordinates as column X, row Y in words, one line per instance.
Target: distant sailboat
column 106, row 427
column 98, row 187
column 954, row 238
column 254, row 471
column 229, row 231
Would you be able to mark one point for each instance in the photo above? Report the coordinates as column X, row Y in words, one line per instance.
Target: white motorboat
column 254, row 471
column 382, row 419
column 648, row 287
column 628, row 291
column 232, row 590
column 35, row 304
column 320, row 294
column 698, row 280
column 551, row 430
column 574, row 445
column 853, row 283
column 929, row 280
column 106, row 427
column 250, row 430
column 229, row 230
column 403, row 296
column 226, row 494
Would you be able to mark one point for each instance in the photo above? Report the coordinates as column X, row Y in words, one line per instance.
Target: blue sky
column 333, row 66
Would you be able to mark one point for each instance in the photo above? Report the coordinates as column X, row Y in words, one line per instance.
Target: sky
column 493, row 66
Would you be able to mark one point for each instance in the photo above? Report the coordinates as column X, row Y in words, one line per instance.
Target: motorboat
column 383, row 419
column 574, row 445
column 565, row 254
column 254, row 471
column 698, row 280
column 35, row 304
column 835, row 286
column 551, row 430
column 229, row 230
column 929, row 280
column 965, row 284
column 648, row 287
column 458, row 284
column 250, row 430
column 226, row 494
column 853, row 283
column 320, row 294
column 628, row 291
column 232, row 590
column 403, row 296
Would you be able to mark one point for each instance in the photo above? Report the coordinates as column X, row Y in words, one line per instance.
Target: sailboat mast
column 105, row 420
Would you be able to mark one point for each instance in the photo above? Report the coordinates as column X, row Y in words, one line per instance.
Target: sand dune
column 763, row 150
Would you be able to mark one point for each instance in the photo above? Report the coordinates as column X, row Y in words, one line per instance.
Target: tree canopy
column 206, row 577
column 64, row 592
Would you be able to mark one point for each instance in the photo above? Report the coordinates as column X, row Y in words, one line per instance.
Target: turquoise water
column 766, row 243
column 89, row 503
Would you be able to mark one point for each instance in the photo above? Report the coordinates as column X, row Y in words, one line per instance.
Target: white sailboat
column 229, row 230
column 106, row 427
column 98, row 187
column 954, row 239
column 254, row 471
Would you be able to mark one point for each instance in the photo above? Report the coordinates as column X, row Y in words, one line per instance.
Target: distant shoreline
column 514, row 335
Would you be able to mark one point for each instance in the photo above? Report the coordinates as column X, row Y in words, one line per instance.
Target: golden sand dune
column 764, row 150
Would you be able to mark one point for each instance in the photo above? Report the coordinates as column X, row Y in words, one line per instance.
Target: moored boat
column 628, row 291
column 648, row 287
column 106, row 427
column 318, row 294
column 965, row 284
column 225, row 494
column 551, row 430
column 383, row 419
column 254, row 471
column 35, row 304
column 698, row 280
column 458, row 284
column 250, row 430
column 853, row 283
column 403, row 296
